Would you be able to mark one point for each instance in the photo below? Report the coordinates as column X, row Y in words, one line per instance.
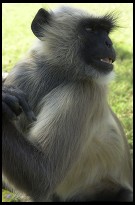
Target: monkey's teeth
column 110, row 61
column 107, row 60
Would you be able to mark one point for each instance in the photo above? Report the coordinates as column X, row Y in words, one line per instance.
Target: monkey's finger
column 7, row 112
column 27, row 110
column 31, row 117
column 9, row 98
column 12, row 102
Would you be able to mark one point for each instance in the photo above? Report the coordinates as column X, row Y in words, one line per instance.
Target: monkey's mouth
column 107, row 60
column 104, row 64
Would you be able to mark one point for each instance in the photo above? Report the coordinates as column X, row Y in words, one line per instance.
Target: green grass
column 7, row 196
column 17, row 39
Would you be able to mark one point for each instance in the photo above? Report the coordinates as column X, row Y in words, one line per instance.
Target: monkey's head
column 76, row 42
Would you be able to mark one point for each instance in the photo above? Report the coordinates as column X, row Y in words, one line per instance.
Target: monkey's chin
column 105, row 79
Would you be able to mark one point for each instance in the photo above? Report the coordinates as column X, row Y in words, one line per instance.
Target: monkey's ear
column 38, row 24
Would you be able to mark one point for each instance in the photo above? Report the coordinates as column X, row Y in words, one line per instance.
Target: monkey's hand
column 14, row 102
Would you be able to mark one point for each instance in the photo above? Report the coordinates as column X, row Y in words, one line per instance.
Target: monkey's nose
column 108, row 44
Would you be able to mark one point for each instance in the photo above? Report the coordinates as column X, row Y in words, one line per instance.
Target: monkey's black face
column 96, row 46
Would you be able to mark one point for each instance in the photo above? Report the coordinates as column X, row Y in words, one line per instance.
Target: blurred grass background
column 17, row 38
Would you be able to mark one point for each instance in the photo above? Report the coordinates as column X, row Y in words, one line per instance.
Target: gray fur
column 76, row 148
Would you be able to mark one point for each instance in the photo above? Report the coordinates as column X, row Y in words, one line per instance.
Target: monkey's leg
column 122, row 195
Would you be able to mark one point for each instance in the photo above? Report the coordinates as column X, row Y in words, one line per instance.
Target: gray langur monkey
column 76, row 150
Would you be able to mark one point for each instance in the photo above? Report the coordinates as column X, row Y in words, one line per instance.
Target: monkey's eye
column 88, row 29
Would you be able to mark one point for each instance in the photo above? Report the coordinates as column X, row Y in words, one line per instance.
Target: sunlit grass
column 7, row 196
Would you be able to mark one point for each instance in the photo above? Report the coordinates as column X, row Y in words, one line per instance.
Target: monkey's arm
column 20, row 159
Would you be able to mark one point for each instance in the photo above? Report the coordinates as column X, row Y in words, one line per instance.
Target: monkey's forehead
column 77, row 17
